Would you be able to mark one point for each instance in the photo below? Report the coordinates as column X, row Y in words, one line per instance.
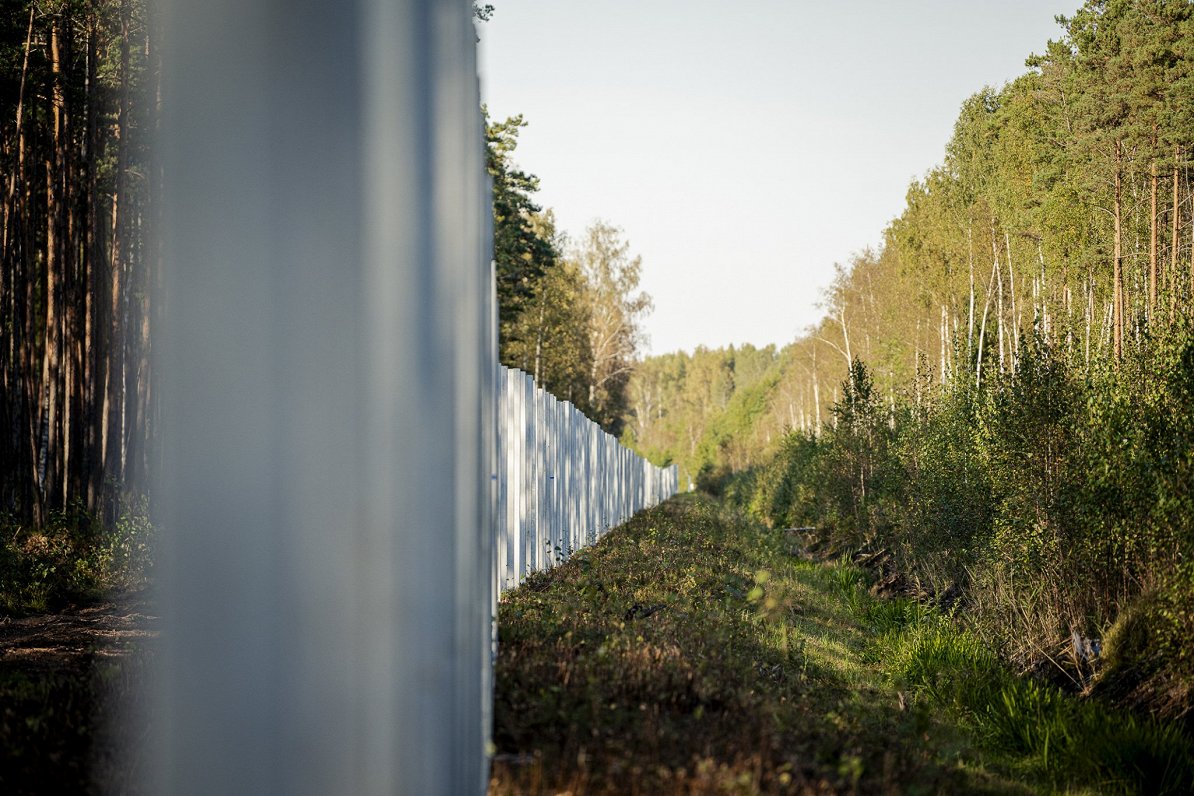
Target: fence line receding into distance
column 562, row 481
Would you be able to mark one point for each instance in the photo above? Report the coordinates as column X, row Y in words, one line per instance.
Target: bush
column 858, row 475
column 945, row 519
column 1052, row 500
column 784, row 494
column 73, row 558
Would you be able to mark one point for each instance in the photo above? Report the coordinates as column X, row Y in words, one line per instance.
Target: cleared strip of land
column 693, row 651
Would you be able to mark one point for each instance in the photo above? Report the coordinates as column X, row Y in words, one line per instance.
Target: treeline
column 691, row 409
column 1020, row 440
column 78, row 89
column 569, row 311
column 1063, row 205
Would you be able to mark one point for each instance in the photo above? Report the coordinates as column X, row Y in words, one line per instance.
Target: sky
column 743, row 146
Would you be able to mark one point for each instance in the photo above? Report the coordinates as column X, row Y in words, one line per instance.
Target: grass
column 1066, row 742
column 691, row 652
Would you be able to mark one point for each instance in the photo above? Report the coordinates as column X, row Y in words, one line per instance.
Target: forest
column 79, row 92
column 996, row 405
column 995, row 414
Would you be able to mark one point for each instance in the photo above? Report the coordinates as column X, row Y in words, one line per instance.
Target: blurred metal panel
column 328, row 408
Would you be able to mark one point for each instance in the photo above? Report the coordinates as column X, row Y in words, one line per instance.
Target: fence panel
column 564, row 481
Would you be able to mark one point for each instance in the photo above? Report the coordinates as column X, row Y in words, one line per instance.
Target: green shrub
column 784, row 494
column 945, row 519
column 73, row 558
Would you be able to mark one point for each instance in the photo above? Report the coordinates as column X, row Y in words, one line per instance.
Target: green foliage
column 1071, row 742
column 549, row 336
column 1053, row 501
column 521, row 253
column 614, row 306
column 689, row 651
column 785, row 495
column 73, row 558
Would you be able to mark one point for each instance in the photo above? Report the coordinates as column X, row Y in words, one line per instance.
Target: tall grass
column 1067, row 741
column 1072, row 742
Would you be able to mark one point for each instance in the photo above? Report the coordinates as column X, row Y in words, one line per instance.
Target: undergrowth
column 73, row 558
column 1070, row 744
column 1053, row 502
column 693, row 651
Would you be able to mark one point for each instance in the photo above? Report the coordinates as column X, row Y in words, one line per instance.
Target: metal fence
column 562, row 481
column 328, row 487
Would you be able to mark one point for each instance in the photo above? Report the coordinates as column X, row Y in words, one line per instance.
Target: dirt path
column 74, row 638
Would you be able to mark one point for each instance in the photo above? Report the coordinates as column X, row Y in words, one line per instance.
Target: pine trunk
column 1153, row 234
column 1117, row 273
column 1175, row 229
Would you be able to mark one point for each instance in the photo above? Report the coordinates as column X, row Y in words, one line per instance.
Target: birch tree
column 615, row 309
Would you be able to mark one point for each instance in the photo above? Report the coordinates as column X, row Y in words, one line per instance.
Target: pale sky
column 743, row 146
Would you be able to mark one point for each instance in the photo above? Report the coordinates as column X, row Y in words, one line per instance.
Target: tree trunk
column 999, row 277
column 1153, row 232
column 841, row 319
column 21, row 390
column 72, row 284
column 816, row 390
column 1011, row 278
column 18, row 176
column 95, row 319
column 944, row 341
column 982, row 330
column 1117, row 274
column 1089, row 318
column 1175, row 240
column 49, row 453
column 539, row 343
column 970, row 318
column 115, row 377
